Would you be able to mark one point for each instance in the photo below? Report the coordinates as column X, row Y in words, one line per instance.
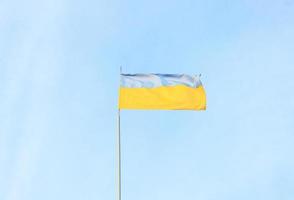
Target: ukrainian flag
column 161, row 91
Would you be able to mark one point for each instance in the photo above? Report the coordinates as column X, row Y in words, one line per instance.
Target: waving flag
column 161, row 91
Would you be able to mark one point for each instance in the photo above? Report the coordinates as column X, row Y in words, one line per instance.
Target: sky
column 59, row 78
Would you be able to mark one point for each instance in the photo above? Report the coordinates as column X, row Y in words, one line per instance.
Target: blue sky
column 59, row 66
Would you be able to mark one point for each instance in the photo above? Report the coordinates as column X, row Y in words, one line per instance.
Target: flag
column 161, row 92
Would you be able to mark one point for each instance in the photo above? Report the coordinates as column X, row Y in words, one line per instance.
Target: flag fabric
column 161, row 92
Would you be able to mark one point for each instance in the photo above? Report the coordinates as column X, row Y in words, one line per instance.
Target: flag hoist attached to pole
column 161, row 92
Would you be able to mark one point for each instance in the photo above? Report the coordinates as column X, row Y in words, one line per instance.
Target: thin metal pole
column 118, row 150
column 118, row 160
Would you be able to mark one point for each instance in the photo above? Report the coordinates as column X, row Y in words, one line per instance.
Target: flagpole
column 118, row 155
column 118, row 160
